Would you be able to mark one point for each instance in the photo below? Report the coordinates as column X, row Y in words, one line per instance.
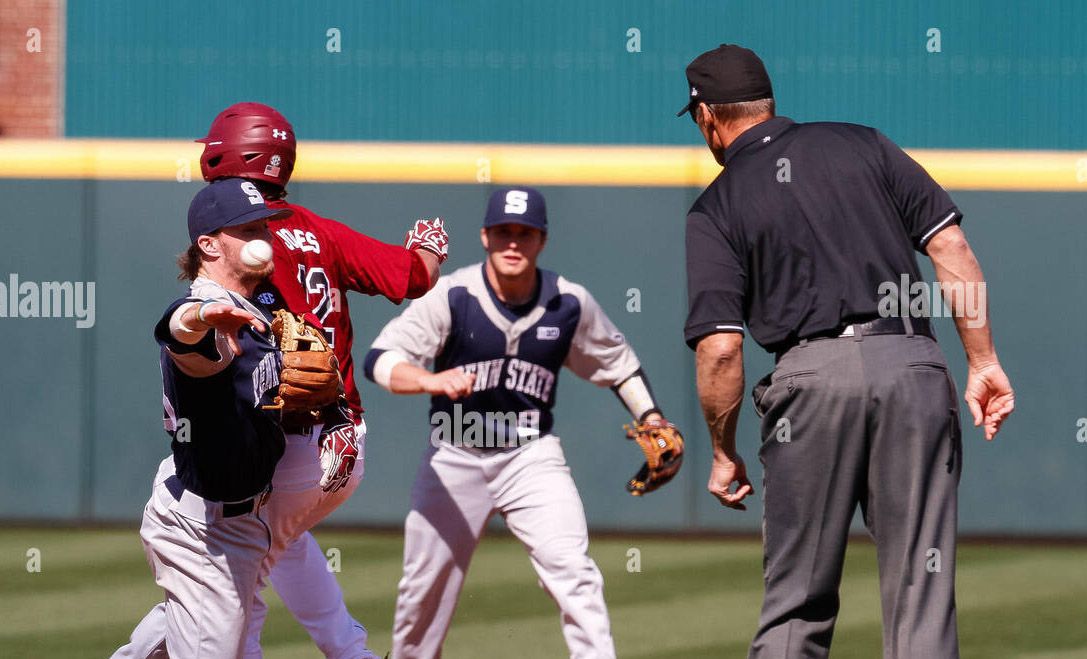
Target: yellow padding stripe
column 537, row 164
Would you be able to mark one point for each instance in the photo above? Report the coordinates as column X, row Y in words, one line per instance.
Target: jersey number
column 316, row 283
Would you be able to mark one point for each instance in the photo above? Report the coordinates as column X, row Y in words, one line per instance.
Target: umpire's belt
column 194, row 506
column 920, row 326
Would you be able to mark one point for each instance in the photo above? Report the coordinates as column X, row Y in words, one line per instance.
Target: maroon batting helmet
column 250, row 140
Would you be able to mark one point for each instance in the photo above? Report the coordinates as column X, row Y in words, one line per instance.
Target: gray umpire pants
column 869, row 420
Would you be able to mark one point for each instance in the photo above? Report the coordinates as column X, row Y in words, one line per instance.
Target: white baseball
column 256, row 253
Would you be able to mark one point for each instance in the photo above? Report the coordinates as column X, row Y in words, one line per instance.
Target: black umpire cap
column 726, row 74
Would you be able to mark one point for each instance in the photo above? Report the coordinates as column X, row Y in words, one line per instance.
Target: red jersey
column 317, row 260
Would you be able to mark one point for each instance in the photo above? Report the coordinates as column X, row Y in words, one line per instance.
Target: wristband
column 383, row 368
column 200, row 311
column 182, row 332
column 185, row 328
column 637, row 396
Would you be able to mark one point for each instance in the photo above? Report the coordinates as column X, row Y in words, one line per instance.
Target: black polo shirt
column 796, row 234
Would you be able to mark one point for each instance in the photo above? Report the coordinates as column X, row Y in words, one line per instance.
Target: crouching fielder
column 497, row 334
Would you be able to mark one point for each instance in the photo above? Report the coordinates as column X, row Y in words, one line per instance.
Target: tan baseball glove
column 663, row 448
column 310, row 378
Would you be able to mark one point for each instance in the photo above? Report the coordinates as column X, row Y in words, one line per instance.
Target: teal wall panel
column 82, row 428
column 1031, row 248
column 138, row 230
column 44, row 410
column 1009, row 74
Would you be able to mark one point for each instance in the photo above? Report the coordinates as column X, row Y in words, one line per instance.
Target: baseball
column 256, row 253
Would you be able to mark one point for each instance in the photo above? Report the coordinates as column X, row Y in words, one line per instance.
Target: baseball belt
column 193, row 505
column 920, row 326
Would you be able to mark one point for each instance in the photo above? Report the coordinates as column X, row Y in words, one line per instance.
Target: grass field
column 692, row 598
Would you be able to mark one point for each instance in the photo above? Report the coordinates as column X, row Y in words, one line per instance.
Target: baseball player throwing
column 497, row 334
column 203, row 530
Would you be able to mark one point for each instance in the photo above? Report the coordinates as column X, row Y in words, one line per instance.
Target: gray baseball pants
column 869, row 420
column 296, row 563
column 209, row 567
column 454, row 495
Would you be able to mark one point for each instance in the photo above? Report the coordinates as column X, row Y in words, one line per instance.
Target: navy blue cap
column 228, row 202
column 516, row 206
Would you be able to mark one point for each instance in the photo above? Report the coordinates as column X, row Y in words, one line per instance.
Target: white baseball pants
column 298, row 568
column 208, row 567
column 454, row 495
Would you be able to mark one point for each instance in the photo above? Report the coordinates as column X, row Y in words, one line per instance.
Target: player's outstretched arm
column 988, row 393
column 396, row 271
column 195, row 319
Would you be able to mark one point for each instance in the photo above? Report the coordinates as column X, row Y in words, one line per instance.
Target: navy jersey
column 225, row 446
column 516, row 355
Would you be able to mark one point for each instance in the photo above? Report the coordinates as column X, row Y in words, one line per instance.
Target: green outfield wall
column 963, row 74
column 80, row 411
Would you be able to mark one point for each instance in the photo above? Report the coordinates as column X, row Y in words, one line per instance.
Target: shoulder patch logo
column 547, row 333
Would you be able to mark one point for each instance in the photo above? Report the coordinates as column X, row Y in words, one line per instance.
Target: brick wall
column 31, row 93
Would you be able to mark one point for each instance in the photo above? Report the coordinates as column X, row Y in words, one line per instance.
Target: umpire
column 799, row 239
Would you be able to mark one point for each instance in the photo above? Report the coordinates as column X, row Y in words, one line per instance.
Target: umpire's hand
column 725, row 472
column 990, row 397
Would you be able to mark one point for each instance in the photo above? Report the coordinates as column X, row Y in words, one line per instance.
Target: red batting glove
column 339, row 448
column 429, row 235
